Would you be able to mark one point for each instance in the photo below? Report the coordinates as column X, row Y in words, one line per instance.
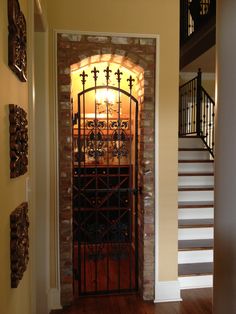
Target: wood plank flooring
column 197, row 301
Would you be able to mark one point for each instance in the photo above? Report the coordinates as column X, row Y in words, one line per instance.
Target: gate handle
column 138, row 190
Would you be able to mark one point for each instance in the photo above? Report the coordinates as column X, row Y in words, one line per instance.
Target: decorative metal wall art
column 19, row 246
column 17, row 56
column 18, row 141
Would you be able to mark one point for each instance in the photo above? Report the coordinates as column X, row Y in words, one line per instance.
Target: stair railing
column 197, row 112
column 194, row 14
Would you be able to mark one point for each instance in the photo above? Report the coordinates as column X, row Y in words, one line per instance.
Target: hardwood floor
column 198, row 301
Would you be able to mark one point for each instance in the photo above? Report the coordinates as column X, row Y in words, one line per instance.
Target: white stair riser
column 195, row 196
column 191, row 143
column 194, row 282
column 193, row 155
column 195, row 233
column 201, row 256
column 195, row 256
column 196, row 213
column 196, row 167
column 196, row 180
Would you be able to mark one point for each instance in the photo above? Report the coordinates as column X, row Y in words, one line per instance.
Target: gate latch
column 138, row 190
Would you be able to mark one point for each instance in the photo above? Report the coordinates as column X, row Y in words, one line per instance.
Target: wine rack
column 102, row 204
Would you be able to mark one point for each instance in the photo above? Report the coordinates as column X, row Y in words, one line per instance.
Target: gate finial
column 130, row 80
column 83, row 75
column 107, row 71
column 118, row 74
column 95, row 72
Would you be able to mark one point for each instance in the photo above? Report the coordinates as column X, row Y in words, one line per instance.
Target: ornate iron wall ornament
column 18, row 141
column 17, row 56
column 19, row 246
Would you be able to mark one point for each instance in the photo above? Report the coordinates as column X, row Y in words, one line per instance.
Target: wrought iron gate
column 105, row 187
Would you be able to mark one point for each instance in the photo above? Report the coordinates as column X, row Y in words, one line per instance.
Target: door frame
column 55, row 147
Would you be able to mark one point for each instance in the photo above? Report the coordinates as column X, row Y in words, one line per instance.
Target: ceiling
column 206, row 62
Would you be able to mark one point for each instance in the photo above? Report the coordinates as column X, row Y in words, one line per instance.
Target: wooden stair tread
column 196, row 174
column 195, row 269
column 191, row 245
column 195, row 223
column 192, row 149
column 196, row 188
column 196, row 161
column 190, row 136
column 189, row 204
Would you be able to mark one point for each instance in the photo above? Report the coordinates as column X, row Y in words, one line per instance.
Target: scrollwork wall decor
column 19, row 246
column 18, row 141
column 17, row 56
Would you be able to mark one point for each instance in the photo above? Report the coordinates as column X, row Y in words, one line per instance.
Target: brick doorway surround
column 139, row 56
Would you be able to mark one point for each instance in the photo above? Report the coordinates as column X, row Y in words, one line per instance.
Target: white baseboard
column 54, row 299
column 167, row 291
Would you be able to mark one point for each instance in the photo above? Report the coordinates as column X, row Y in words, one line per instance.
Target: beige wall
column 12, row 191
column 40, row 15
column 42, row 194
column 155, row 17
column 209, row 86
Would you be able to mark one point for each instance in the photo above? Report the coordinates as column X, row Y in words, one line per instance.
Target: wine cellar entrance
column 83, row 153
column 105, row 165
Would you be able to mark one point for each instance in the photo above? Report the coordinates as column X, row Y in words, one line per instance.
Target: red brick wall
column 137, row 54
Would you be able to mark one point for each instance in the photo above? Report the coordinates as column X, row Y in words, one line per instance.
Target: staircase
column 196, row 210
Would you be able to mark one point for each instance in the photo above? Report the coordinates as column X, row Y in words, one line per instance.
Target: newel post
column 199, row 101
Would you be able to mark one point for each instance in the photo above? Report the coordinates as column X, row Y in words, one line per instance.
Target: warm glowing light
column 92, row 115
column 106, row 102
column 105, row 96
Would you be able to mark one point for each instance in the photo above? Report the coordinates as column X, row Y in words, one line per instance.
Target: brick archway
column 137, row 55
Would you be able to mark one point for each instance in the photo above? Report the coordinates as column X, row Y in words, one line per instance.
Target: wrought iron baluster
column 210, row 124
column 108, row 72
column 97, row 245
column 197, row 112
column 119, row 74
column 194, row 14
column 130, row 194
column 81, row 146
column 213, row 129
